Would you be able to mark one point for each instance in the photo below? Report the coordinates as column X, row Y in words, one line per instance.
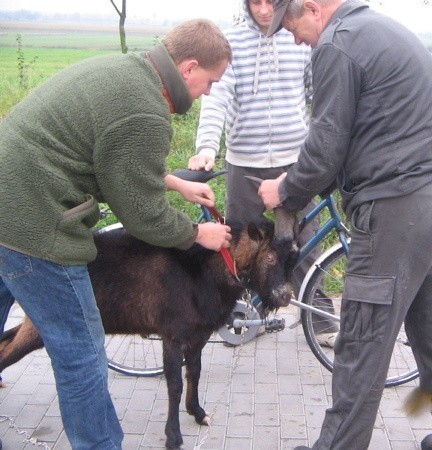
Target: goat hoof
column 206, row 421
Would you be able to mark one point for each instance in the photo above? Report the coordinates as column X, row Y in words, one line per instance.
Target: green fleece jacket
column 98, row 131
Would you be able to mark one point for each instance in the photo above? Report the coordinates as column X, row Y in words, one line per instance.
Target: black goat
column 183, row 296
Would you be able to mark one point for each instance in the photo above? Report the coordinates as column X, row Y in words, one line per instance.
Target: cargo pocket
column 366, row 307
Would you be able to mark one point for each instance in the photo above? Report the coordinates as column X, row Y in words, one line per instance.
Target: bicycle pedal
column 275, row 325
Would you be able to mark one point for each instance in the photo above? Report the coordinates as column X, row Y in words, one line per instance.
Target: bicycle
column 323, row 282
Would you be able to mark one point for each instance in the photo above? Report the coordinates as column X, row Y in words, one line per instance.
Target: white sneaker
column 327, row 339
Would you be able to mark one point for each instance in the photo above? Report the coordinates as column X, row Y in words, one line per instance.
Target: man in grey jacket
column 370, row 136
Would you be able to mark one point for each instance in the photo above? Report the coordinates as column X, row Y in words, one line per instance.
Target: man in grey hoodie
column 261, row 104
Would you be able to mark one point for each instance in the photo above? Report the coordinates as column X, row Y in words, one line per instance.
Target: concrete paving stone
column 291, row 405
column 120, row 405
column 246, row 365
column 310, row 375
column 132, row 441
column 12, row 405
column 266, row 414
column 243, row 383
column 289, row 444
column 238, row 444
column 141, row 400
column 123, row 387
column 212, row 438
column 314, row 395
column 403, row 445
column 216, row 392
column 49, row 429
column 265, row 437
column 43, row 395
column 379, row 440
column 240, row 425
column 30, row 416
column 241, row 403
column 315, row 415
column 267, row 393
column 289, row 384
column 135, row 422
column 293, row 427
column 154, row 435
column 398, row 428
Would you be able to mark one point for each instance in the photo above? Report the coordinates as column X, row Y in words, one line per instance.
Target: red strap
column 226, row 254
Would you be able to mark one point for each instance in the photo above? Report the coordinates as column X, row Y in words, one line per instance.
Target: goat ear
column 254, row 233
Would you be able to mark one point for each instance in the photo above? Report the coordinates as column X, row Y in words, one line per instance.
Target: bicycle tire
column 327, row 276
column 133, row 355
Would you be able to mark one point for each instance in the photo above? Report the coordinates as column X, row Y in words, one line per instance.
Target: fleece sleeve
column 130, row 165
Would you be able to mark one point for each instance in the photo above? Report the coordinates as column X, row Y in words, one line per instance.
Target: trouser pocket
column 366, row 307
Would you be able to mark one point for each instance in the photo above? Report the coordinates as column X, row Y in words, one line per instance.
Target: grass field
column 47, row 48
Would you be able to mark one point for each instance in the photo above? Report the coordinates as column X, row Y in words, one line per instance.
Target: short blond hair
column 198, row 39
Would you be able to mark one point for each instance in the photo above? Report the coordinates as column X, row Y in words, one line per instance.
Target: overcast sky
column 409, row 12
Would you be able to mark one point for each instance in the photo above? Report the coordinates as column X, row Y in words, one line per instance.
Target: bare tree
column 122, row 20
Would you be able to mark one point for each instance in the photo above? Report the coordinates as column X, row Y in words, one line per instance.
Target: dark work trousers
column 243, row 205
column 389, row 279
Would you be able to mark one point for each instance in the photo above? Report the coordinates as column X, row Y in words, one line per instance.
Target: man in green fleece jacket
column 99, row 131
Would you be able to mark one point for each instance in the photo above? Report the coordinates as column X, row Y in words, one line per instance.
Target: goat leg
column 18, row 342
column 193, row 372
column 172, row 360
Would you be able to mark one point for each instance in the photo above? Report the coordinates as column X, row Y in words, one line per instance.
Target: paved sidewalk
column 269, row 394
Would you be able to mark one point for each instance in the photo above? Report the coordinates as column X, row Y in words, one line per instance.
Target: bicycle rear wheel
column 325, row 281
column 131, row 354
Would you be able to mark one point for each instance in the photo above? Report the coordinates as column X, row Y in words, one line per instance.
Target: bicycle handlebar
column 201, row 176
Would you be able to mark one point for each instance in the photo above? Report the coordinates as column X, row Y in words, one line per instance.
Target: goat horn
column 285, row 223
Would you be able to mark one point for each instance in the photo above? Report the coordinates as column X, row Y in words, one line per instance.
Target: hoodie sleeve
column 213, row 114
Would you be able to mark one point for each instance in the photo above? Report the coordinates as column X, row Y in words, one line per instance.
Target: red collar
column 229, row 260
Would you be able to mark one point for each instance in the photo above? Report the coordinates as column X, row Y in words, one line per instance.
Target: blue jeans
column 60, row 302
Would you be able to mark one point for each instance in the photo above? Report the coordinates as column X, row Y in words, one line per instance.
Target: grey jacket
column 371, row 127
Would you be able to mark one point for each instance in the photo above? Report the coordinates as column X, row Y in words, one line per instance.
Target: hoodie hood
column 262, row 40
column 250, row 22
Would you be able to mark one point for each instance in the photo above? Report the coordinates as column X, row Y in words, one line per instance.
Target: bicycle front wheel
column 323, row 291
column 131, row 354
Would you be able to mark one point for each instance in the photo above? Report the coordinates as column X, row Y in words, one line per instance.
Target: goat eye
column 271, row 259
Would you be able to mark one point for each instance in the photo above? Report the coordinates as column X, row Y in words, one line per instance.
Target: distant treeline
column 35, row 16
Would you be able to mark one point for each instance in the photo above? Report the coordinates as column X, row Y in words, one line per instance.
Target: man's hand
column 269, row 192
column 192, row 191
column 199, row 162
column 213, row 236
column 198, row 193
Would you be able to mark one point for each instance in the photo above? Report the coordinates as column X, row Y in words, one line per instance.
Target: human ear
column 312, row 7
column 186, row 67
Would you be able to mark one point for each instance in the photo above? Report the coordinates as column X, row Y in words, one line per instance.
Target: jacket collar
column 174, row 86
column 347, row 8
